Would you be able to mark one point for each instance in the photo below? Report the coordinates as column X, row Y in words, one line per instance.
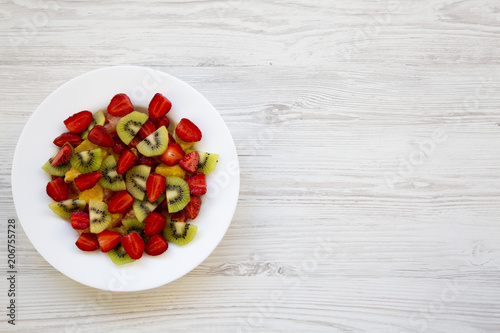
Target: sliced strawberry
column 133, row 244
column 173, row 154
column 125, row 162
column 87, row 180
column 146, row 161
column 135, row 141
column 87, row 242
column 100, row 136
column 190, row 162
column 159, row 122
column 57, row 189
column 180, row 216
column 108, row 240
column 155, row 185
column 120, row 202
column 159, row 106
column 80, row 220
column 170, row 138
column 63, row 155
column 120, row 105
column 197, row 184
column 146, row 129
column 79, row 122
column 156, row 245
column 71, row 138
column 187, row 131
column 119, row 146
column 154, row 223
column 193, row 207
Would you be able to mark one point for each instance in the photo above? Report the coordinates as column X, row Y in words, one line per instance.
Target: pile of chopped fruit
column 126, row 182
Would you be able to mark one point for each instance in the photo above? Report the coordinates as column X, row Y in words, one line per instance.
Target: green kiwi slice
column 177, row 194
column 87, row 161
column 98, row 118
column 110, row 178
column 154, row 144
column 58, row 170
column 143, row 208
column 100, row 218
column 207, row 162
column 119, row 256
column 128, row 127
column 180, row 233
column 66, row 207
column 133, row 225
column 135, row 179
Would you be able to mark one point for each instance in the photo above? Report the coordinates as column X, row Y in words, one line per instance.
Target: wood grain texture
column 368, row 137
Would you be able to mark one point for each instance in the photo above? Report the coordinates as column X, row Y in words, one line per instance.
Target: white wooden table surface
column 368, row 138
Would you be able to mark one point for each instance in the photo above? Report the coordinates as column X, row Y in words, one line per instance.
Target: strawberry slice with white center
column 159, row 106
column 147, row 129
column 87, row 242
column 79, row 122
column 155, row 186
column 63, row 155
column 156, row 245
column 71, row 138
column 133, row 244
column 173, row 154
column 190, row 162
column 108, row 239
column 120, row 105
column 57, row 189
column 120, row 202
column 87, row 180
column 187, row 131
column 125, row 162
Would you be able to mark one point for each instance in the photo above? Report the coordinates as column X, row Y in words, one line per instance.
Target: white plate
column 53, row 236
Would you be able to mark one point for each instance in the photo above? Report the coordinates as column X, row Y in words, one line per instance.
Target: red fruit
column 133, row 244
column 170, row 138
column 146, row 161
column 78, row 122
column 100, row 136
column 80, row 220
column 190, row 162
column 120, row 202
column 57, row 189
column 147, row 129
column 154, row 223
column 71, row 138
column 120, row 105
column 119, row 147
column 159, row 106
column 108, row 240
column 193, row 207
column 125, row 162
column 87, row 242
column 135, row 141
column 111, row 122
column 173, row 154
column 159, row 122
column 155, row 185
column 63, row 155
column 156, row 245
column 197, row 184
column 179, row 216
column 87, row 180
column 187, row 131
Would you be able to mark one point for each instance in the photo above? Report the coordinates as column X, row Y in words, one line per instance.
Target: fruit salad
column 129, row 182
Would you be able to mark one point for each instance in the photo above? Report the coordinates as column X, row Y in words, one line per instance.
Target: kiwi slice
column 58, row 170
column 143, row 208
column 100, row 218
column 66, row 207
column 207, row 162
column 154, row 144
column 133, row 225
column 87, row 160
column 119, row 256
column 135, row 179
column 98, row 118
column 110, row 178
column 177, row 194
column 180, row 233
column 128, row 127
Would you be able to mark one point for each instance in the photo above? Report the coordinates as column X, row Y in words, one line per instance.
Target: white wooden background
column 368, row 136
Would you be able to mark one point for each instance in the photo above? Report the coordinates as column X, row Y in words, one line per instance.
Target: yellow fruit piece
column 71, row 174
column 86, row 145
column 166, row 170
column 92, row 193
column 184, row 145
column 116, row 220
